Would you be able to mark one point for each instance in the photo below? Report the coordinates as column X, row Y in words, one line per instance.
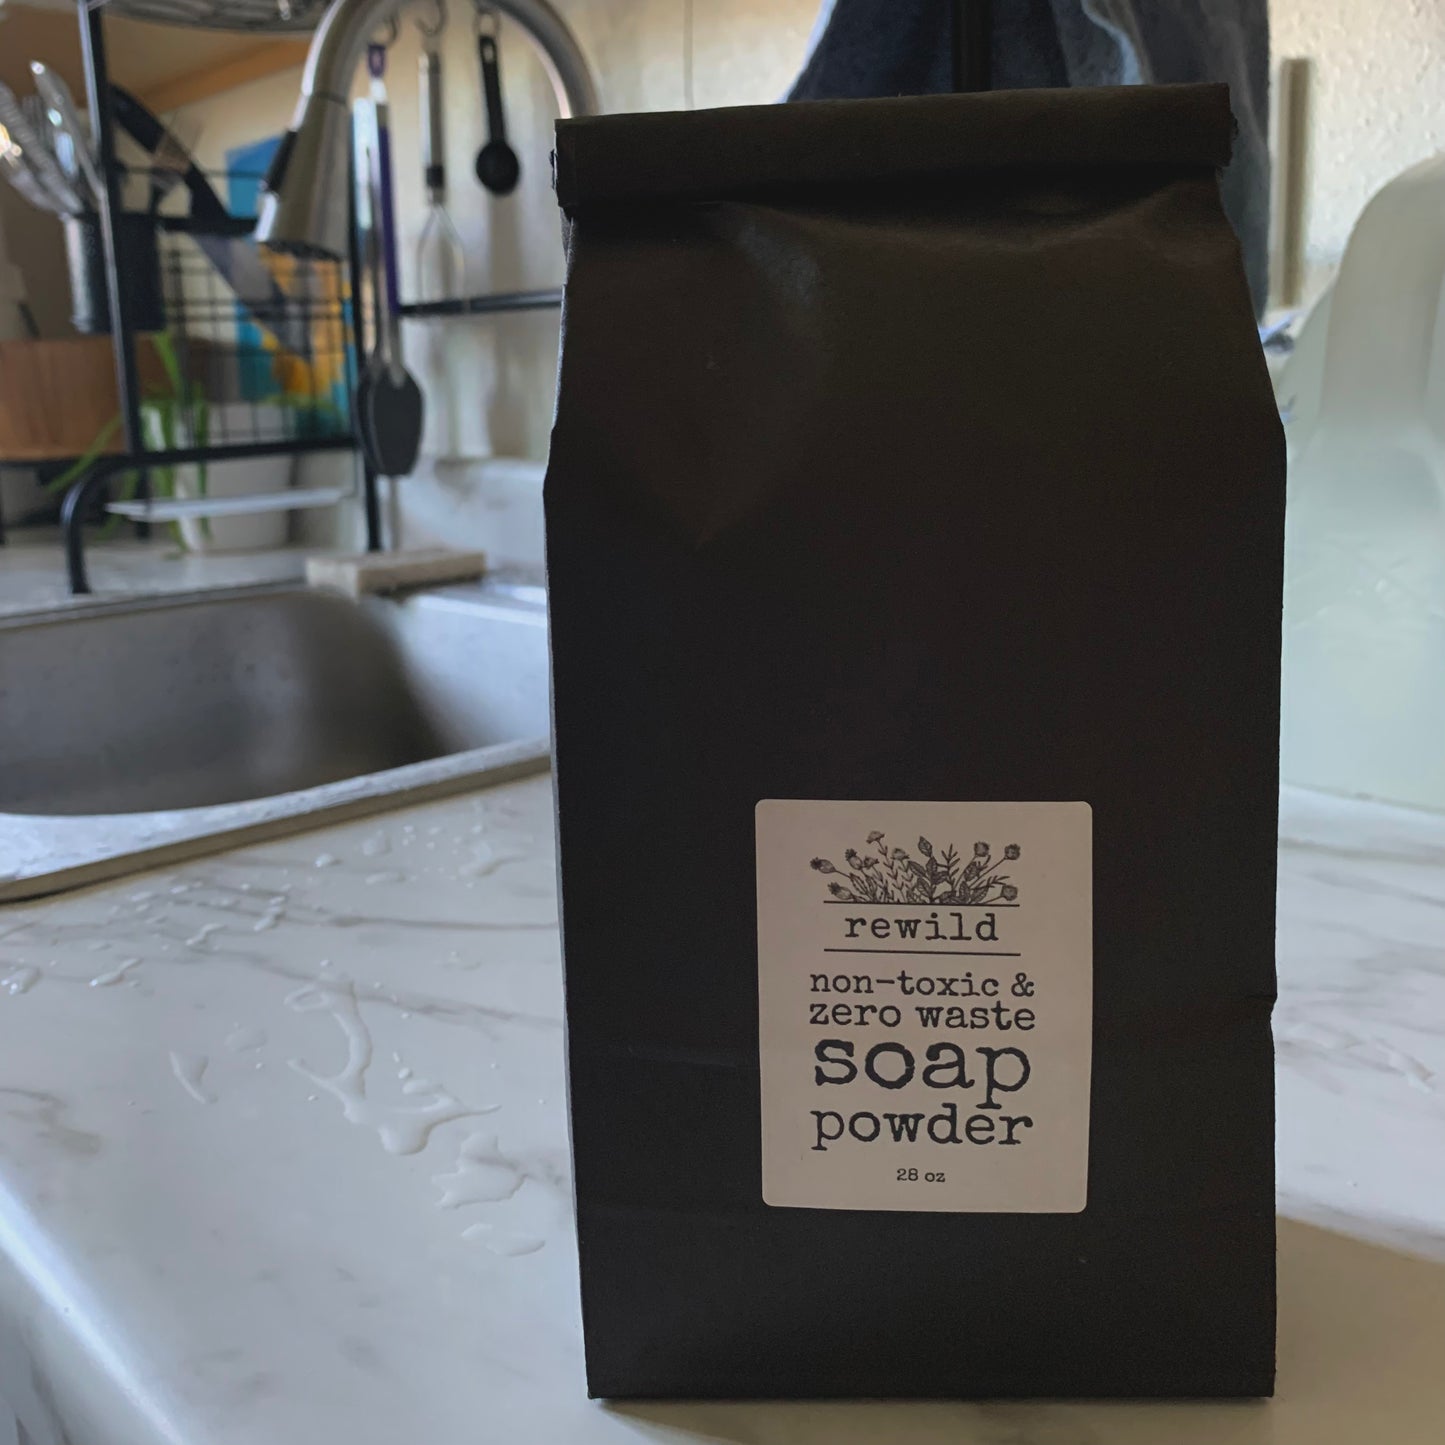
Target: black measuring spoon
column 498, row 168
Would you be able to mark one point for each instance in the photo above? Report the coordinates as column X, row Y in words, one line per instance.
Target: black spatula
column 390, row 408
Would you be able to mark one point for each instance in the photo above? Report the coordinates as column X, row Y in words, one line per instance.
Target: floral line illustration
column 885, row 874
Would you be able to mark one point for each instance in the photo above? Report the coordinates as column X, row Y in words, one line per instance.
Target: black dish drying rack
column 258, row 355
column 169, row 270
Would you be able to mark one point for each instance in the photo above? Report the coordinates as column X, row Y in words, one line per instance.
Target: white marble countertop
column 33, row 580
column 283, row 1157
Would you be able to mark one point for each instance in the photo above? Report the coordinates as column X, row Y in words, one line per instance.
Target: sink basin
column 134, row 733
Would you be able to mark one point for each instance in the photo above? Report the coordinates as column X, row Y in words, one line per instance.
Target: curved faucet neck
column 346, row 29
column 340, row 43
column 304, row 202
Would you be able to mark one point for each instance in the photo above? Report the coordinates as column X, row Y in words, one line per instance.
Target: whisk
column 441, row 262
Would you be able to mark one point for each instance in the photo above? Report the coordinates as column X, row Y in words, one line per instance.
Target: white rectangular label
column 925, row 993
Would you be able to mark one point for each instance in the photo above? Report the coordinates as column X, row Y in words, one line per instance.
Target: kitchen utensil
column 440, row 259
column 62, row 147
column 55, row 149
column 394, row 410
column 56, row 141
column 34, row 151
column 16, row 168
column 441, row 263
column 47, row 131
column 38, row 114
column 391, row 423
column 361, row 400
column 498, row 168
column 372, row 279
column 58, row 98
column 381, row 160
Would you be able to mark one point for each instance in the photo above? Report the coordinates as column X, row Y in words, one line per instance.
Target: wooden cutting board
column 56, row 396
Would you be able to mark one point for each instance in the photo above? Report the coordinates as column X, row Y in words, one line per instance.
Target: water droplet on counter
column 401, row 1130
column 189, row 1070
column 20, row 980
column 325, row 963
column 403, row 1074
column 143, row 897
column 98, row 946
column 389, row 875
column 503, row 1241
column 115, row 975
column 244, row 1039
column 375, row 846
column 326, row 860
column 310, row 998
column 418, row 1086
column 483, row 1174
column 513, row 1246
column 485, row 861
column 199, row 937
column 266, row 922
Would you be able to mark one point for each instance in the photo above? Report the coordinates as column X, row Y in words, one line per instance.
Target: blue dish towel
column 904, row 47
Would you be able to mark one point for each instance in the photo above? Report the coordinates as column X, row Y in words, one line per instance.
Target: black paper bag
column 914, row 528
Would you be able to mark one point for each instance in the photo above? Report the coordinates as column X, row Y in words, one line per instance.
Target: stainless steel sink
column 133, row 733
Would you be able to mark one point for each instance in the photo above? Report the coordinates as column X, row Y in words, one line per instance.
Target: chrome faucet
column 304, row 205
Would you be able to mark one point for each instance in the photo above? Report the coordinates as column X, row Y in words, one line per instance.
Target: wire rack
column 257, row 353
column 275, row 366
column 268, row 15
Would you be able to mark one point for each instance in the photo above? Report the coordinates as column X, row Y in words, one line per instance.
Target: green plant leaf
column 83, row 463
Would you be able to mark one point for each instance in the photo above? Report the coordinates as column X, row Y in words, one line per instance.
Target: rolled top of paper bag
column 750, row 150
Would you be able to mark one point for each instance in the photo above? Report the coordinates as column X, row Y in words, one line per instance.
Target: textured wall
column 1378, row 101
